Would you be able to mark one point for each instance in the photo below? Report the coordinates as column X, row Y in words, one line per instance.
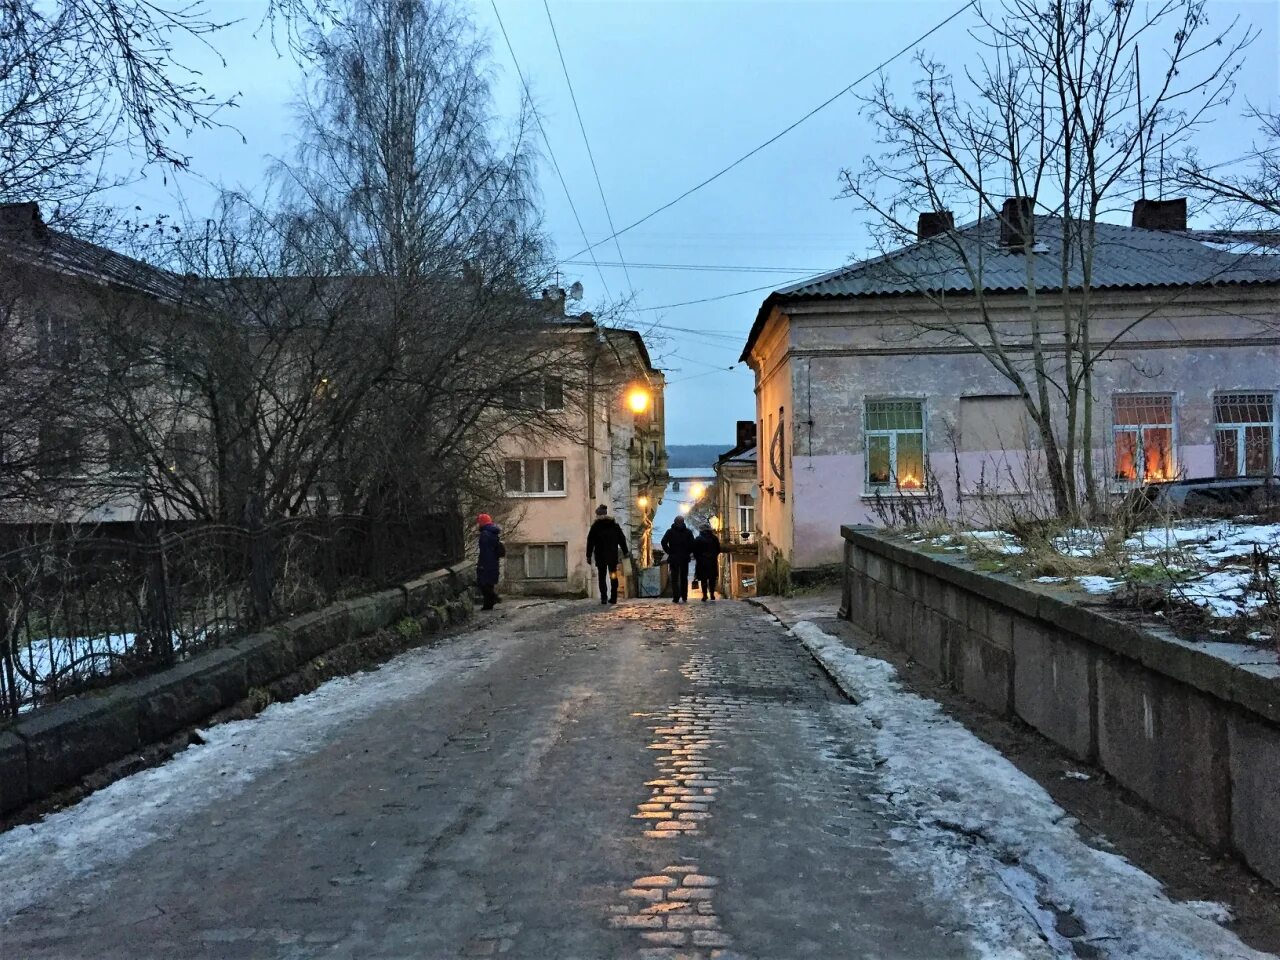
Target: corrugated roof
column 63, row 252
column 1124, row 258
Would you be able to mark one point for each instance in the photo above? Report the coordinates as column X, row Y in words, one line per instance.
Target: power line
column 547, row 140
column 590, row 154
column 723, row 296
column 777, row 136
column 707, row 267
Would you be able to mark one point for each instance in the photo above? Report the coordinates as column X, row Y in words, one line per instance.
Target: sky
column 670, row 92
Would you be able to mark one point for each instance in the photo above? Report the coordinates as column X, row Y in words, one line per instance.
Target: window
column 895, row 444
column 1143, row 426
column 534, row 477
column 184, row 453
column 541, row 561
column 56, row 339
column 60, row 450
column 1244, row 437
column 746, row 516
column 122, row 454
column 538, row 393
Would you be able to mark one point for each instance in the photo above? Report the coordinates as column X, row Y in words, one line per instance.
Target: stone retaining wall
column 1192, row 729
column 54, row 747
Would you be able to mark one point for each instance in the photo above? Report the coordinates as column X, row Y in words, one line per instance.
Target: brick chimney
column 746, row 433
column 21, row 218
column 553, row 300
column 933, row 223
column 1160, row 214
column 1017, row 223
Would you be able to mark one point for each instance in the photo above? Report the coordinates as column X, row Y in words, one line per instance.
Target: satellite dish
column 575, row 291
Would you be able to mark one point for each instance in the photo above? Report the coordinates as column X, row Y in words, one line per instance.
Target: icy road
column 646, row 781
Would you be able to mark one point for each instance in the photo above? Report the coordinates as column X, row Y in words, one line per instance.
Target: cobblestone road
column 647, row 781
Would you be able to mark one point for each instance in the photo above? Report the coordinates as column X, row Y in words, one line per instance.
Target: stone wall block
column 314, row 634
column 374, row 612
column 1167, row 743
column 13, row 773
column 1255, row 801
column 927, row 641
column 67, row 740
column 267, row 657
column 983, row 672
column 1053, row 686
column 186, row 693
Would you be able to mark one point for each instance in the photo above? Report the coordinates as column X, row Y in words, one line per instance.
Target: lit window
column 746, row 515
column 1143, row 425
column 1244, row 438
column 895, row 444
column 542, row 561
column 534, row 477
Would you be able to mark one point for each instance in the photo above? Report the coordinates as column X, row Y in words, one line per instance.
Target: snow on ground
column 996, row 845
column 109, row 825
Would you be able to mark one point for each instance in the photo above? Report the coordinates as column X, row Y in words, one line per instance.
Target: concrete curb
column 832, row 674
column 55, row 747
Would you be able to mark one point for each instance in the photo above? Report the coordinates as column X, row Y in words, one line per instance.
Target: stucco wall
column 822, row 365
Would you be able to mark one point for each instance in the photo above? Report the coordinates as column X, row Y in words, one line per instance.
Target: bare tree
column 1050, row 115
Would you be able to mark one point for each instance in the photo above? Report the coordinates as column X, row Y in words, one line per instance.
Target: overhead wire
column 779, row 135
column 537, row 116
column 587, row 142
column 707, row 267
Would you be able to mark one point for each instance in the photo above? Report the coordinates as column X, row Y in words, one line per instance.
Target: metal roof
column 1124, row 258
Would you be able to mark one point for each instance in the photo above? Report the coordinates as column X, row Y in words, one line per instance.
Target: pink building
column 875, row 384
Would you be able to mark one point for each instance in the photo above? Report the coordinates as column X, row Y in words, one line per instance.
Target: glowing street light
column 638, row 399
column 686, row 507
column 642, row 502
column 715, row 524
column 697, row 490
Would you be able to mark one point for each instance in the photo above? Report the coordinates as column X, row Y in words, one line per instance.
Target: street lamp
column 642, row 502
column 715, row 524
column 686, row 507
column 638, row 399
column 697, row 490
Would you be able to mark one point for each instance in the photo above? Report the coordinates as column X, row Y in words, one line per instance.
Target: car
column 1212, row 494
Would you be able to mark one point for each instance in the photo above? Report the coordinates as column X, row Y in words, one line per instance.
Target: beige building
column 737, row 486
column 871, row 398
column 607, row 447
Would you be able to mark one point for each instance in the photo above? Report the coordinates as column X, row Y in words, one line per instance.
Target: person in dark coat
column 606, row 543
column 706, row 555
column 677, row 544
column 491, row 552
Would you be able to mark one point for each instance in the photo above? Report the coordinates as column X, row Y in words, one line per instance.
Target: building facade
column 737, row 486
column 875, row 397
column 607, row 446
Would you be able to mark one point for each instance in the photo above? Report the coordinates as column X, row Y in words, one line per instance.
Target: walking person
column 492, row 551
column 706, row 554
column 677, row 543
column 606, row 543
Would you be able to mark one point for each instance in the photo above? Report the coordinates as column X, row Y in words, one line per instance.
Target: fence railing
column 79, row 609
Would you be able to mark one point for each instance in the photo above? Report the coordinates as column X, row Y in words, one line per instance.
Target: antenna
column 575, row 291
column 1142, row 130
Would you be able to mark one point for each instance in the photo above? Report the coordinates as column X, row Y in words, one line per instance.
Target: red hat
column 483, row 520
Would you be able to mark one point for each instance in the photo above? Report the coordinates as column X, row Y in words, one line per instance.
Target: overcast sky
column 670, row 92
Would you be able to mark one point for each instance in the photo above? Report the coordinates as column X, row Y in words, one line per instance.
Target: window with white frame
column 534, row 477
column 1142, row 424
column 539, row 561
column 536, row 393
column 1244, row 436
column 894, row 431
column 746, row 516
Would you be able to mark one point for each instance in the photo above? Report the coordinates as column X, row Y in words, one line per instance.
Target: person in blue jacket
column 491, row 552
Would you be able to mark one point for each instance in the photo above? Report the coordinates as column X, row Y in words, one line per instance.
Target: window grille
column 1143, row 431
column 894, row 431
column 1244, row 437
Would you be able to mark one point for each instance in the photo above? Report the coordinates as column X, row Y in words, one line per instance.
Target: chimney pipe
column 1160, row 214
column 22, row 218
column 746, row 433
column 933, row 222
column 1017, row 223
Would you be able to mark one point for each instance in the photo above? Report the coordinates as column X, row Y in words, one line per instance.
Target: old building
column 607, row 446
column 737, row 484
column 872, row 392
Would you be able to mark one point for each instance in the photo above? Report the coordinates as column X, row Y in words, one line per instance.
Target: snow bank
column 996, row 844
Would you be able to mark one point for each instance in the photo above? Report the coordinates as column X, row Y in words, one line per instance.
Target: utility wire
column 590, row 154
column 777, row 136
column 723, row 296
column 547, row 140
column 708, row 267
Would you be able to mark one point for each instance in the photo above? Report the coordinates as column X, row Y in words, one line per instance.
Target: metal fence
column 80, row 608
